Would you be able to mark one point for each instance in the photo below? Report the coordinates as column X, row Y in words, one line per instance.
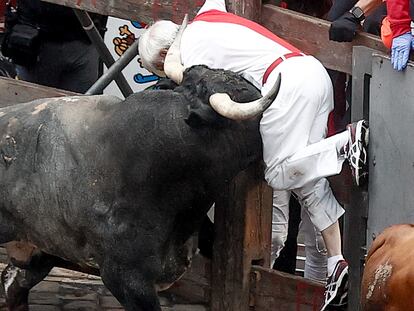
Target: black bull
column 118, row 185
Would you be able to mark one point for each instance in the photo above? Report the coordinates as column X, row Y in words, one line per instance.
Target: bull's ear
column 200, row 115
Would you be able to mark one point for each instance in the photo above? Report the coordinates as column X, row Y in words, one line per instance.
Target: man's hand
column 344, row 28
column 400, row 51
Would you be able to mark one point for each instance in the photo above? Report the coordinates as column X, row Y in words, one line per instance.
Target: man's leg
column 81, row 71
column 280, row 220
column 324, row 211
column 315, row 250
column 286, row 262
column 337, row 266
column 46, row 71
column 320, row 192
column 332, row 238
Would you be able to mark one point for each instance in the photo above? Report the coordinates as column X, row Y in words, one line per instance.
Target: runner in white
column 293, row 128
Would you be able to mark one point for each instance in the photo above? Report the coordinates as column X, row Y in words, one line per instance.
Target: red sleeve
column 2, row 12
column 399, row 16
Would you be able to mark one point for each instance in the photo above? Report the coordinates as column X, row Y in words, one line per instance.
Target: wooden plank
column 311, row 35
column 66, row 289
column 258, row 229
column 140, row 10
column 307, row 33
column 148, row 11
column 194, row 286
column 247, row 8
column 16, row 91
column 273, row 290
column 242, row 223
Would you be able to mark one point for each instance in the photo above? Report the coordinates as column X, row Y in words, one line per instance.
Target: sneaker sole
column 362, row 131
column 363, row 126
column 343, row 300
column 340, row 278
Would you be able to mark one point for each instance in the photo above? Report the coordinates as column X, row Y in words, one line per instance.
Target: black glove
column 344, row 28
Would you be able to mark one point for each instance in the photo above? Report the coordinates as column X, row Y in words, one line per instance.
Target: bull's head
column 221, row 102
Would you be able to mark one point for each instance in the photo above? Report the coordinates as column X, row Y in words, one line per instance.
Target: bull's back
column 76, row 162
column 388, row 279
column 43, row 147
column 41, row 137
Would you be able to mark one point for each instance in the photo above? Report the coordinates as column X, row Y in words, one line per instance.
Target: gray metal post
column 103, row 51
column 391, row 167
column 355, row 220
column 114, row 70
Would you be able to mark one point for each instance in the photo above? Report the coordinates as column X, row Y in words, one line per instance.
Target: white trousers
column 293, row 130
column 315, row 251
column 316, row 265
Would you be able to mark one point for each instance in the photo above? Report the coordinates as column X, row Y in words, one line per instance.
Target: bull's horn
column 230, row 109
column 173, row 67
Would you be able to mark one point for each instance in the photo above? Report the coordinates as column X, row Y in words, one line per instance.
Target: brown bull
column 388, row 280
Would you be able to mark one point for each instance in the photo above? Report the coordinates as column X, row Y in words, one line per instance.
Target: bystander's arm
column 367, row 6
column 344, row 28
column 398, row 15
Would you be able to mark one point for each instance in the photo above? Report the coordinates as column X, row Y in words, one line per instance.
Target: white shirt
column 235, row 44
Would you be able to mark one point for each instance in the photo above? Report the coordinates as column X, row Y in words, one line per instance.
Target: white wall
column 120, row 35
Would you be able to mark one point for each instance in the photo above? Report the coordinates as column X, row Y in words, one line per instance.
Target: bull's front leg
column 133, row 290
column 18, row 278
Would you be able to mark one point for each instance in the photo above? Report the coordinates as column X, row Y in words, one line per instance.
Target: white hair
column 157, row 37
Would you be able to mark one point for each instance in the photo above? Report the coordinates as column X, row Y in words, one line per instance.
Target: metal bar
column 114, row 70
column 355, row 222
column 103, row 51
column 361, row 71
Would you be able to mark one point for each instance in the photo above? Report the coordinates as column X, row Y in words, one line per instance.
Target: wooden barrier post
column 250, row 9
column 242, row 224
column 242, row 221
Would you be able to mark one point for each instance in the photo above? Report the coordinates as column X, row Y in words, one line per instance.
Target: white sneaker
column 336, row 288
column 356, row 150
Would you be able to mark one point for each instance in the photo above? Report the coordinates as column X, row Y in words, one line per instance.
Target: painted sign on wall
column 120, row 35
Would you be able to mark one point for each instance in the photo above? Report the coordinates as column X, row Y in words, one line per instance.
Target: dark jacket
column 55, row 22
